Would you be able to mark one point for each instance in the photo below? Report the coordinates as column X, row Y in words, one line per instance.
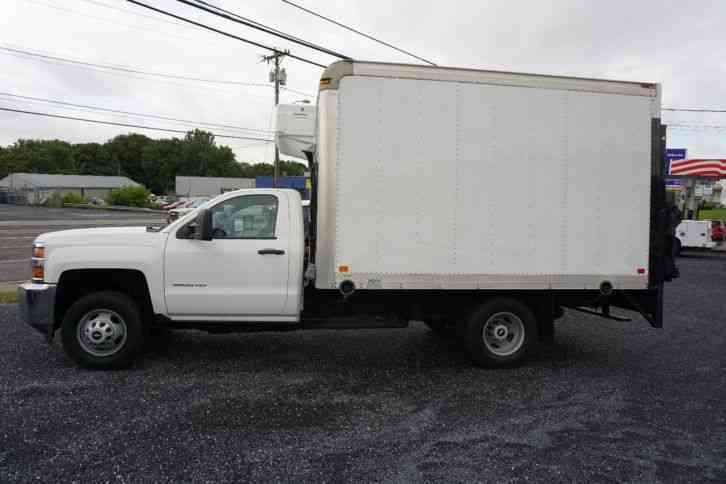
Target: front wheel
column 103, row 331
column 499, row 332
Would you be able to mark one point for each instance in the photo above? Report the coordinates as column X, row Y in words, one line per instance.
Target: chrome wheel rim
column 503, row 333
column 101, row 332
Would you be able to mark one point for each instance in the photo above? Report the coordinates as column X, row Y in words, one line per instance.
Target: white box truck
column 479, row 202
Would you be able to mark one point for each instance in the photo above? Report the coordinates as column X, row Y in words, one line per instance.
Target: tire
column 103, row 331
column 442, row 329
column 511, row 329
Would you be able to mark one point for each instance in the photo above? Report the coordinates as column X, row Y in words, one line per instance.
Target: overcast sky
column 679, row 44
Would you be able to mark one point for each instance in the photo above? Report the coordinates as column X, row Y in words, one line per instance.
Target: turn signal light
column 37, row 270
column 39, row 252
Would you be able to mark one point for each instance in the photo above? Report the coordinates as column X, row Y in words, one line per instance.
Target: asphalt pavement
column 609, row 402
column 20, row 225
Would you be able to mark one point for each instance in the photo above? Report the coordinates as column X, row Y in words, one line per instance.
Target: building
column 299, row 183
column 204, row 186
column 36, row 188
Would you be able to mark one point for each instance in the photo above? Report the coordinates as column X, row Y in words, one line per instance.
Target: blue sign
column 673, row 154
column 673, row 182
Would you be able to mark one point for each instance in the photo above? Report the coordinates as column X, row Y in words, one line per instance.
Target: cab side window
column 245, row 217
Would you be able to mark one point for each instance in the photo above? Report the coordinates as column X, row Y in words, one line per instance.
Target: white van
column 694, row 234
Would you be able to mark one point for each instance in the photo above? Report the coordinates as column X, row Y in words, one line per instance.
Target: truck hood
column 102, row 236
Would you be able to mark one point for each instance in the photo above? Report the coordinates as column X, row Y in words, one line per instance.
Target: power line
column 298, row 92
column 132, row 70
column 128, row 71
column 120, row 24
column 696, row 126
column 226, row 34
column 357, row 32
column 226, row 14
column 131, row 113
column 137, row 14
column 126, row 125
column 695, row 110
column 206, row 88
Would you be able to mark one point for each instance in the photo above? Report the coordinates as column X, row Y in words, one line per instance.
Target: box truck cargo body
column 435, row 178
column 481, row 203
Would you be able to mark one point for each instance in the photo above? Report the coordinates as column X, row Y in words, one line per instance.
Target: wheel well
column 74, row 284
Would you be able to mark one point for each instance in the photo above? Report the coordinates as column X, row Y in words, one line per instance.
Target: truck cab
column 239, row 257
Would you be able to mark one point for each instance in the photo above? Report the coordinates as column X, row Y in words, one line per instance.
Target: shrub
column 54, row 200
column 73, row 198
column 129, row 196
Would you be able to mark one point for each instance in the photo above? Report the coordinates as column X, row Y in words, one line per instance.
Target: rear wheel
column 499, row 332
column 103, row 331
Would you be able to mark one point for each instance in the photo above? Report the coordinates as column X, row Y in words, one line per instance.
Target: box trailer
column 479, row 202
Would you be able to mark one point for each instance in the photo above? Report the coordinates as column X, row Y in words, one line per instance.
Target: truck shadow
column 412, row 349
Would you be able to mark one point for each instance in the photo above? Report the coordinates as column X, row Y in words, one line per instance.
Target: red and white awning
column 699, row 167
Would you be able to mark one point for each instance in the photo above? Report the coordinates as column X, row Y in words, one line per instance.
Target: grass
column 716, row 213
column 8, row 297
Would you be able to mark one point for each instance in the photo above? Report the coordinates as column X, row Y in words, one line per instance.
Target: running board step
column 353, row 323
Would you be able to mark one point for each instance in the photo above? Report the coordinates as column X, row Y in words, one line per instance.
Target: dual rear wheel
column 497, row 334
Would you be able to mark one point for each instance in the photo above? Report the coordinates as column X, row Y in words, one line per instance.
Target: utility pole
column 279, row 78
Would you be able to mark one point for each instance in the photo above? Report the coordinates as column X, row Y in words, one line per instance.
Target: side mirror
column 203, row 224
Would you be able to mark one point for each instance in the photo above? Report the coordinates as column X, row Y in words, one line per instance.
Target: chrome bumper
column 37, row 302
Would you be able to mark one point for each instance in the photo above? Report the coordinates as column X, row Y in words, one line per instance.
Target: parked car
column 185, row 208
column 173, row 204
column 717, row 230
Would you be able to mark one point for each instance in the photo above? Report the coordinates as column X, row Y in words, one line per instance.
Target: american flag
column 699, row 167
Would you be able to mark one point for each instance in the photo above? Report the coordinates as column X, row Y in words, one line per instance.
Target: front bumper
column 37, row 303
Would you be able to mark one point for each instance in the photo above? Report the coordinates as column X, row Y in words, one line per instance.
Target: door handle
column 270, row 252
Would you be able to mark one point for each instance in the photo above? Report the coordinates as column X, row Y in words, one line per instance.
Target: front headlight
column 37, row 263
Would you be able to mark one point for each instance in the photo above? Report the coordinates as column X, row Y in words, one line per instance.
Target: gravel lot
column 609, row 401
column 20, row 225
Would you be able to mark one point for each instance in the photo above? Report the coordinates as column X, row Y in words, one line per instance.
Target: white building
column 38, row 187
column 206, row 186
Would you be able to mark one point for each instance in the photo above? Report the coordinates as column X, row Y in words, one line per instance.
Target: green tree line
column 152, row 162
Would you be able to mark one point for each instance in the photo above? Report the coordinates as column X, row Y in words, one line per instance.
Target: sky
column 675, row 43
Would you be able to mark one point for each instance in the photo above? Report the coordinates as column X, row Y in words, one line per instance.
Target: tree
column 126, row 153
column 153, row 163
column 38, row 156
column 94, row 159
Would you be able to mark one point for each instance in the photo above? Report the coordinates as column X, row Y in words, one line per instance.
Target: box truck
column 479, row 202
